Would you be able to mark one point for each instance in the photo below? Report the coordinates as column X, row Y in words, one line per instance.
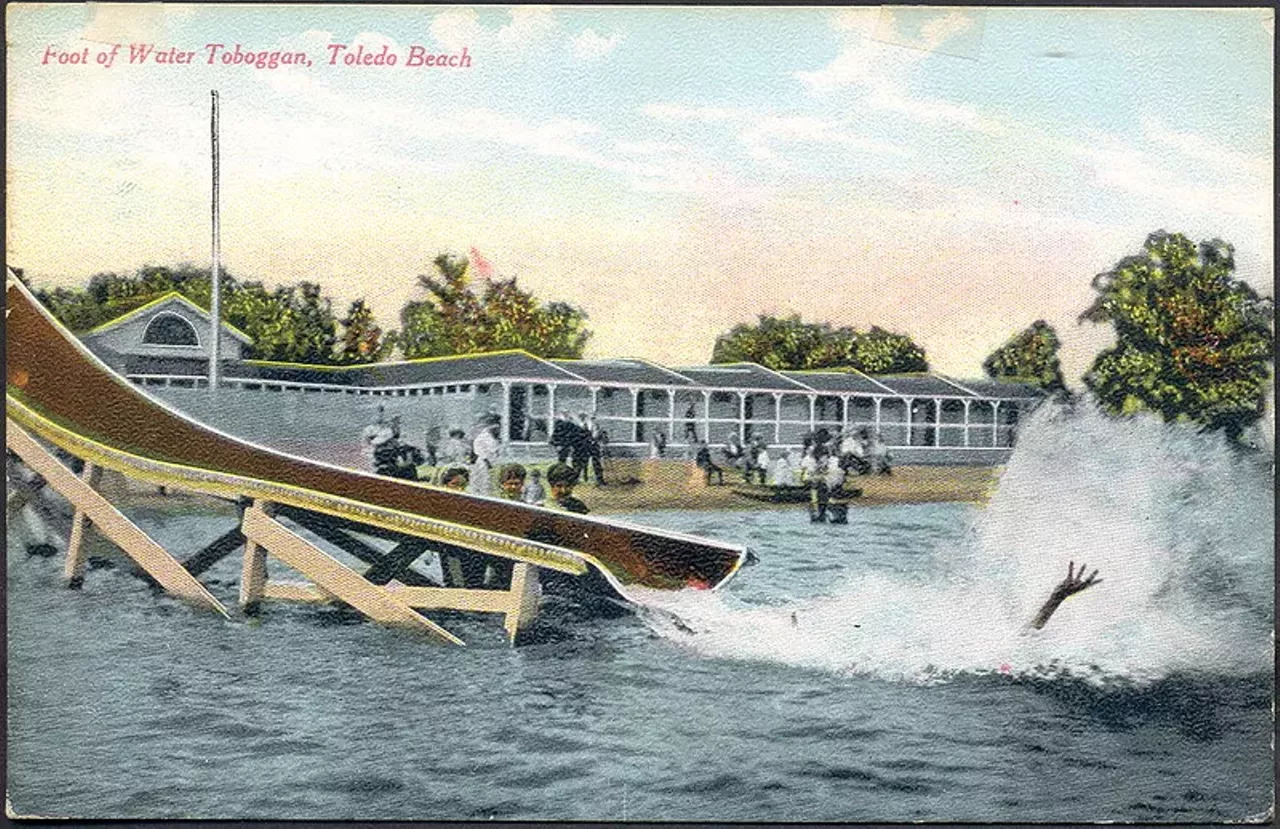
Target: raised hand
column 1072, row 584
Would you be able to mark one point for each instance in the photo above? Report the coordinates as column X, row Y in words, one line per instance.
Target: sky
column 950, row 173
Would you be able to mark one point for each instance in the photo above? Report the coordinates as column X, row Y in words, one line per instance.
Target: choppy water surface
column 878, row 671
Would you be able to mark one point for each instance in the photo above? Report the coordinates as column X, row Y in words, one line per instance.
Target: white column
column 966, row 424
column 877, row 418
column 504, row 416
column 813, row 422
column 635, row 414
column 937, row 422
column 995, row 423
column 777, row 418
column 908, row 401
column 595, row 392
column 706, row 416
column 551, row 408
column 844, row 411
column 742, row 415
column 671, row 415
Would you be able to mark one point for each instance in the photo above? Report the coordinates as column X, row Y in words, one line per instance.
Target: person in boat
column 533, row 493
column 455, row 477
column 561, row 478
column 511, row 480
column 707, row 465
column 374, row 430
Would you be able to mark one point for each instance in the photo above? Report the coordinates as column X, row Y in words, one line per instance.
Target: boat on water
column 792, row 494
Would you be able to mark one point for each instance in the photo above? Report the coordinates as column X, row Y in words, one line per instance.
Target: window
column 170, row 329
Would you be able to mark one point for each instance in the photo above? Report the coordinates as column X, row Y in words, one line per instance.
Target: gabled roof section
column 623, row 372
column 837, row 381
column 156, row 304
column 497, row 365
column 920, row 385
column 742, row 376
column 1001, row 388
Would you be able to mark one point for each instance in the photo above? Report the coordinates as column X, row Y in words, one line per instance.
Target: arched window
column 170, row 329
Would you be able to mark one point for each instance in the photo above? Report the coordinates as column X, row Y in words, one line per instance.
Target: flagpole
column 215, row 274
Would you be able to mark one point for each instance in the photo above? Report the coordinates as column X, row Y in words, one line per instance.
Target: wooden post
column 524, row 598
column 331, row 576
column 73, row 570
column 253, row 573
column 110, row 522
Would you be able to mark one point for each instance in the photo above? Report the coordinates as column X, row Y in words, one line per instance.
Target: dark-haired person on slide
column 1071, row 585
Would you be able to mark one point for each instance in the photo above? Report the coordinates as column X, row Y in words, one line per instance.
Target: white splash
column 1180, row 525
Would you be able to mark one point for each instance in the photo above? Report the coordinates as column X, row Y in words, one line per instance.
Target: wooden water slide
column 59, row 393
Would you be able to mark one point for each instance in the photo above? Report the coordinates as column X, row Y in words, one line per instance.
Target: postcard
column 773, row 414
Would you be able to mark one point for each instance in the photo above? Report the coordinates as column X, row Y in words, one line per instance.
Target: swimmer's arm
column 1069, row 586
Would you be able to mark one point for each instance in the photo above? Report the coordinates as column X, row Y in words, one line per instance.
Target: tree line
column 1193, row 342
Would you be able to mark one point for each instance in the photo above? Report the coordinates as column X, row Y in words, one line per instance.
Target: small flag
column 481, row 264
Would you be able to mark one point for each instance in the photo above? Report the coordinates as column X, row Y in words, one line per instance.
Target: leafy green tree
column 1192, row 341
column 789, row 343
column 456, row 319
column 1030, row 356
column 293, row 323
column 362, row 340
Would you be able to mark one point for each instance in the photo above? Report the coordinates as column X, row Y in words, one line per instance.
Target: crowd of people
column 822, row 463
column 467, row 465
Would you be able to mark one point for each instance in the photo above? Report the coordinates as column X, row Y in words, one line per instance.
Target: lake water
column 877, row 671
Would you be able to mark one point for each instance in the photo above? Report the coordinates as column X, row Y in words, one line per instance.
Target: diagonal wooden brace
column 110, row 522
column 374, row 601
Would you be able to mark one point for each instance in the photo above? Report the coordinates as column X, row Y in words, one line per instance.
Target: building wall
column 126, row 338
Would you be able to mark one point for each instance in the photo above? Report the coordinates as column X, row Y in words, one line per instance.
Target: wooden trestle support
column 388, row 591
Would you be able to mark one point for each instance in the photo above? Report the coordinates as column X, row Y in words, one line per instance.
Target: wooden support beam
column 296, row 592
column 215, row 551
column 73, row 569
column 374, row 601
column 523, row 597
column 397, row 562
column 110, row 522
column 452, row 598
column 253, row 571
column 334, row 530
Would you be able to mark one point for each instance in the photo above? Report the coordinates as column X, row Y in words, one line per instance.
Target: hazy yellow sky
column 953, row 174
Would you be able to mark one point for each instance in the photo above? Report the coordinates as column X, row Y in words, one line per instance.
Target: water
column 879, row 671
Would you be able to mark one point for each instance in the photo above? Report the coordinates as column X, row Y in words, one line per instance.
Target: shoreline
column 677, row 485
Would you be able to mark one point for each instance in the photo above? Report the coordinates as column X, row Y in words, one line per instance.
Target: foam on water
column 1180, row 525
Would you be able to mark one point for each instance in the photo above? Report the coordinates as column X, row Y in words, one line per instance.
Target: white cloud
column 590, row 45
column 759, row 137
column 678, row 112
column 650, row 147
column 1211, row 153
column 456, row 28
column 936, row 111
column 529, row 25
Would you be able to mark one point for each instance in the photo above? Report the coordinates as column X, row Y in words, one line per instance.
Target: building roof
column 921, row 385
column 999, row 388
column 741, row 376
column 625, row 372
column 155, row 305
column 837, row 381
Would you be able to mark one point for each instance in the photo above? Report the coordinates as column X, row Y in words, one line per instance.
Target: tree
column 362, row 340
column 455, row 319
column 1030, row 356
column 1192, row 341
column 789, row 343
column 293, row 323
